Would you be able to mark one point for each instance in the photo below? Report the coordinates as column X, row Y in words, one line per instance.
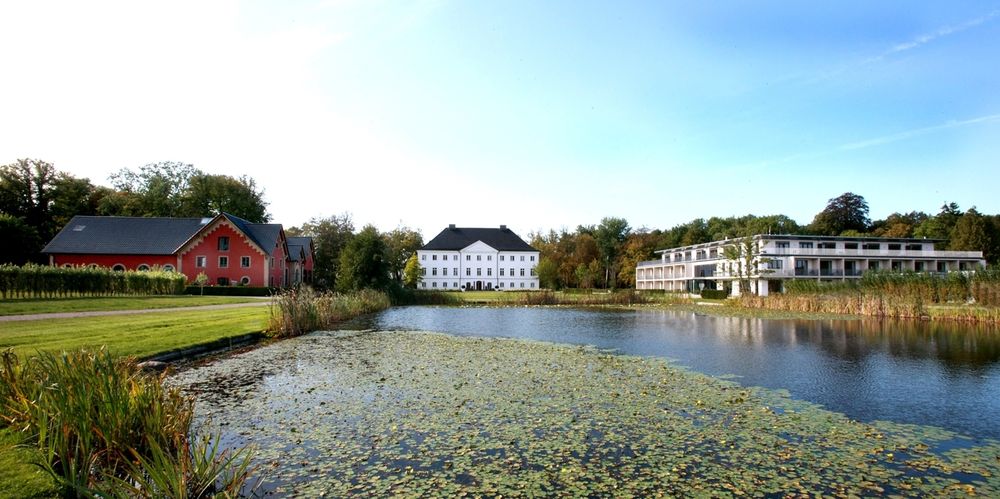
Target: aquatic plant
column 100, row 424
column 399, row 413
column 297, row 311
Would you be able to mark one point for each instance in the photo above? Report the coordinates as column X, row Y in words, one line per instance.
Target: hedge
column 44, row 281
column 714, row 294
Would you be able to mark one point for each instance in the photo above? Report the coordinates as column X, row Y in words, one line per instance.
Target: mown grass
column 55, row 305
column 137, row 335
column 18, row 476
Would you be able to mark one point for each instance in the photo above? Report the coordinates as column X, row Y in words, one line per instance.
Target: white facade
column 478, row 267
column 783, row 257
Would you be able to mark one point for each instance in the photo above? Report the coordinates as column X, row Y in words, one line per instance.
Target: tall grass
column 299, row 311
column 44, row 281
column 894, row 294
column 104, row 428
column 625, row 298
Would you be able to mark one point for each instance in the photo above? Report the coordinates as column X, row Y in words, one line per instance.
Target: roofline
column 808, row 237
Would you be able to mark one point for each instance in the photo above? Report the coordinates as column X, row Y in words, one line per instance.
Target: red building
column 228, row 249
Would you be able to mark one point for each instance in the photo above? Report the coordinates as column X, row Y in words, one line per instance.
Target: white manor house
column 477, row 259
column 784, row 257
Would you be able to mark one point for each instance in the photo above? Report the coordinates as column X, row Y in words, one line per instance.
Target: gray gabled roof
column 124, row 235
column 455, row 238
column 147, row 235
column 299, row 248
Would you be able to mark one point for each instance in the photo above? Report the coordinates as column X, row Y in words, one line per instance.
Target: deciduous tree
column 400, row 244
column 330, row 236
column 848, row 211
column 362, row 262
column 412, row 273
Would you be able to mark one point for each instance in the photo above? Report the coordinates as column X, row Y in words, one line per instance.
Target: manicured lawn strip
column 139, row 335
column 18, row 477
column 54, row 305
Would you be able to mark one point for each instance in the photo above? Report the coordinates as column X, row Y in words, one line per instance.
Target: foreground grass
column 18, row 477
column 53, row 305
column 138, row 335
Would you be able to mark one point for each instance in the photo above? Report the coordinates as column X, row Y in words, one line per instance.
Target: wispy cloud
column 896, row 137
column 926, row 38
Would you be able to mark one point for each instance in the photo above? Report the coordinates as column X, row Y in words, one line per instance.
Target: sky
column 536, row 115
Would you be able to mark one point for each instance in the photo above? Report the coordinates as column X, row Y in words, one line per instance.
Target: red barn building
column 228, row 249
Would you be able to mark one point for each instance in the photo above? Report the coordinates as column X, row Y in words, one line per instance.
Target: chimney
column 451, row 227
column 503, row 227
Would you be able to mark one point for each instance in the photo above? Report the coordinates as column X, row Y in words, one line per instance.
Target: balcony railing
column 806, row 272
column 884, row 253
column 831, row 272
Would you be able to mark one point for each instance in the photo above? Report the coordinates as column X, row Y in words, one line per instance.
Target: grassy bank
column 300, row 311
column 54, row 305
column 137, row 335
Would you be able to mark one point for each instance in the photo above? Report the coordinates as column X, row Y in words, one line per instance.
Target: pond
column 547, row 401
column 931, row 373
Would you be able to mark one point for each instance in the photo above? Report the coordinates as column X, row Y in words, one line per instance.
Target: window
column 803, row 245
column 223, row 243
column 423, row 270
column 532, row 272
column 915, row 247
column 501, row 284
column 871, row 246
column 434, row 257
column 522, row 284
column 454, row 271
column 423, row 257
column 532, row 257
column 444, row 270
column 489, row 272
column 434, row 271
column 850, row 246
column 223, row 262
column 522, row 258
column 468, row 257
column 532, row 285
column 245, row 262
column 501, row 271
column 479, row 271
column 434, row 284
column 199, row 261
column 168, row 268
column 245, row 280
column 444, row 285
column 893, row 247
column 512, row 271
column 222, row 281
column 918, row 266
column 775, row 264
column 118, row 268
column 522, row 272
column 479, row 258
column 942, row 267
column 142, row 267
column 423, row 285
column 454, row 284
column 827, row 245
column 489, row 258
column 501, row 259
column 468, row 271
column 781, row 245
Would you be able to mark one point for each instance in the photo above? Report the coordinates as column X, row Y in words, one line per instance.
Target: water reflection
column 943, row 374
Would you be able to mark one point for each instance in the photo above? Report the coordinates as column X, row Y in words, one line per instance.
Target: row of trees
column 37, row 200
column 605, row 256
column 367, row 259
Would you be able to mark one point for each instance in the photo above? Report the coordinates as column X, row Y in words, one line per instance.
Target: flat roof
column 806, row 237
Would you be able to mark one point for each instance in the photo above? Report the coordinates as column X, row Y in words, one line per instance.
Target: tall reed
column 104, row 428
column 298, row 311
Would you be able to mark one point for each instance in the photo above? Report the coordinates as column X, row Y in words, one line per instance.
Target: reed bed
column 104, row 428
column 623, row 298
column 45, row 281
column 299, row 311
column 967, row 296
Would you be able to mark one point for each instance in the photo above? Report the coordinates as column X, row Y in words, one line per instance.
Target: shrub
column 714, row 294
column 103, row 426
column 230, row 291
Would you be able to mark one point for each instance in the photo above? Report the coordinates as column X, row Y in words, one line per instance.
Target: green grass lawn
column 139, row 335
column 18, row 477
column 52, row 305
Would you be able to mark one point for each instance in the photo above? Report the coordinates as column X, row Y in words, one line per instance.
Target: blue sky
column 536, row 115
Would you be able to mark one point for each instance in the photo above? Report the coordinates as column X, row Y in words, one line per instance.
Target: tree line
column 37, row 200
column 605, row 255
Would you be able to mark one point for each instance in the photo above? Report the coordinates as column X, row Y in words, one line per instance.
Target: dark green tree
column 362, row 262
column 940, row 226
column 213, row 194
column 846, row 212
column 400, row 244
column 153, row 190
column 330, row 236
column 971, row 233
column 610, row 236
column 20, row 241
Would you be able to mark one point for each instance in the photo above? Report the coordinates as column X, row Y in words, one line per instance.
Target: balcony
column 831, row 273
column 806, row 273
column 883, row 253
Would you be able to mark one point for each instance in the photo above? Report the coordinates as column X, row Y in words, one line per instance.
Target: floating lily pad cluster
column 409, row 413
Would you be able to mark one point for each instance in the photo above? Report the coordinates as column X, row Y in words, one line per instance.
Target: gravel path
column 101, row 313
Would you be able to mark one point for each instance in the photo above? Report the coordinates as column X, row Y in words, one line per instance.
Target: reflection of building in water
column 785, row 257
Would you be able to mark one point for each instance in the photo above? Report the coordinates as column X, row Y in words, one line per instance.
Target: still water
column 939, row 374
